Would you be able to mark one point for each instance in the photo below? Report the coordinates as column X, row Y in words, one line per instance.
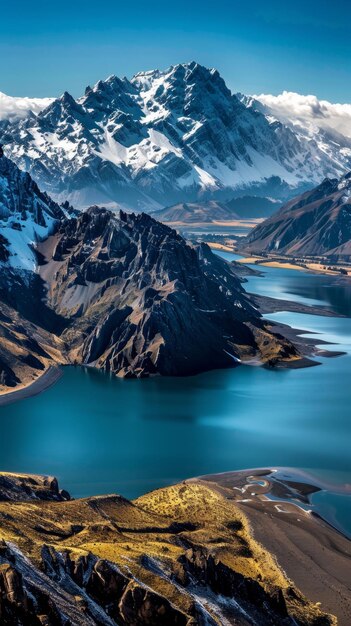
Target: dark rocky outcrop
column 138, row 300
column 30, row 487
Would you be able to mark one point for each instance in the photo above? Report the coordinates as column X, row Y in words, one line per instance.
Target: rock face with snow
column 326, row 127
column 317, row 223
column 26, row 216
column 161, row 138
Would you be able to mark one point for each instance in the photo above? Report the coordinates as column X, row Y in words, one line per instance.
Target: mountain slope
column 162, row 138
column 26, row 216
column 315, row 223
column 320, row 125
column 214, row 211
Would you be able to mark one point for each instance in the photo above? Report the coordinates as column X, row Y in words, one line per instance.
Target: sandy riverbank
column 315, row 556
column 286, row 263
column 48, row 378
column 244, row 223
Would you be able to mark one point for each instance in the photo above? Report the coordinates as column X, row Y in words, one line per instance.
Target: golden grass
column 131, row 533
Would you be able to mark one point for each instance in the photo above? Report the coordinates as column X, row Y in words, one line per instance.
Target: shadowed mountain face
column 163, row 137
column 317, row 223
column 180, row 556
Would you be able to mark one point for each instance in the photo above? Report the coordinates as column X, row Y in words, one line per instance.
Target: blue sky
column 50, row 46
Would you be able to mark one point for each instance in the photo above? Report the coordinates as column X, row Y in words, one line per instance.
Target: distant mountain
column 244, row 207
column 161, row 138
column 195, row 212
column 317, row 222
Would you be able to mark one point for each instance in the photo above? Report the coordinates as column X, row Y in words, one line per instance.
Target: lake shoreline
column 313, row 553
column 312, row 266
column 49, row 377
column 306, row 346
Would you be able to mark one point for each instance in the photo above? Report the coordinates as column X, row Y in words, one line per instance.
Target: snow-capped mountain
column 26, row 216
column 160, row 138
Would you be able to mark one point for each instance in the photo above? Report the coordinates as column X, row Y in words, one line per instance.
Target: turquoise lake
column 100, row 435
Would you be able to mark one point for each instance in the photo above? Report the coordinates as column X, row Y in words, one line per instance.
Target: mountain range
column 165, row 137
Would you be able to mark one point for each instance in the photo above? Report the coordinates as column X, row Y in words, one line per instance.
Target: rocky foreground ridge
column 123, row 293
column 179, row 556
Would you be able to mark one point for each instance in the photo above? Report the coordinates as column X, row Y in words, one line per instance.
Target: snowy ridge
column 26, row 216
column 164, row 137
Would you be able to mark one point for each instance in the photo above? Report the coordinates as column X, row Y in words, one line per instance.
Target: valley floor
column 286, row 262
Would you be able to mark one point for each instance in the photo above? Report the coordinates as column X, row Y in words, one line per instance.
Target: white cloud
column 12, row 107
column 308, row 111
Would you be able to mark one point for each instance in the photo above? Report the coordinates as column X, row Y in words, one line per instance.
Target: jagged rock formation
column 317, row 223
column 140, row 301
column 180, row 556
column 120, row 291
column 26, row 216
column 161, row 138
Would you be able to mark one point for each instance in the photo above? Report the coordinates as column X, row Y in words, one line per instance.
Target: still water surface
column 99, row 434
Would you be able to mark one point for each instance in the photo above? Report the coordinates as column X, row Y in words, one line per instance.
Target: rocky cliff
column 180, row 556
